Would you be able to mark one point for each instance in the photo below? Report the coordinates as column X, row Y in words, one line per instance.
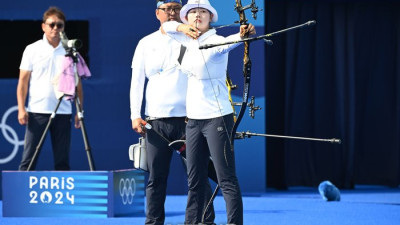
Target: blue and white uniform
column 210, row 122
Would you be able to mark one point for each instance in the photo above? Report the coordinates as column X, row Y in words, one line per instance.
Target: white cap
column 191, row 4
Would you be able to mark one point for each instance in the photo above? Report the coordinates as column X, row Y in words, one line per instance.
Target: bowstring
column 223, row 121
column 216, row 98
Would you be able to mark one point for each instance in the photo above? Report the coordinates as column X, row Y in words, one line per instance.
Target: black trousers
column 158, row 155
column 60, row 132
column 205, row 137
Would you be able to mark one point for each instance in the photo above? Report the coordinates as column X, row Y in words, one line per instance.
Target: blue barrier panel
column 96, row 194
column 128, row 193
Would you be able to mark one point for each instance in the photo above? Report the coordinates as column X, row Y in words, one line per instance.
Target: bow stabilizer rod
column 242, row 135
column 264, row 37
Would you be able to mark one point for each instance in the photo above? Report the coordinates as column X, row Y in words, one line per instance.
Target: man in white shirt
column 41, row 62
column 156, row 59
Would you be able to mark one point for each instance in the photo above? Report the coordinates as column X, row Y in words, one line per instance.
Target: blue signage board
column 97, row 194
column 128, row 193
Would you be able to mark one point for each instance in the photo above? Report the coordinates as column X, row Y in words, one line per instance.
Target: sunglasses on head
column 52, row 25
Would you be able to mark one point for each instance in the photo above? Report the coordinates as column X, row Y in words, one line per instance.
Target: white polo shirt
column 44, row 62
column 156, row 59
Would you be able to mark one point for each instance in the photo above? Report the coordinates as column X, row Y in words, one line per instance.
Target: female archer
column 208, row 108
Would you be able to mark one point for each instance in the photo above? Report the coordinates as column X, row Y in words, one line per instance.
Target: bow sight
column 254, row 9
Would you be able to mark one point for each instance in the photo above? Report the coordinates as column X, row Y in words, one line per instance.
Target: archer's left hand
column 246, row 30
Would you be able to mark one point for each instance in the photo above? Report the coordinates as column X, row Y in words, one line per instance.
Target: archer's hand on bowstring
column 189, row 30
column 138, row 126
column 247, row 30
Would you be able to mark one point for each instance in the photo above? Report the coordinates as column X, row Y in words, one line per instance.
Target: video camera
column 68, row 44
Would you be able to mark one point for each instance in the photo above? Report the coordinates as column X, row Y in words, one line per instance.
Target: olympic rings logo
column 13, row 139
column 127, row 190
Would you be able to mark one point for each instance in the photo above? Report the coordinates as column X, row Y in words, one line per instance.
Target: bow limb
column 246, row 71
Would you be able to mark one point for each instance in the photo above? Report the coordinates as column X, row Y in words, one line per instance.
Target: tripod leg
column 40, row 144
column 84, row 134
